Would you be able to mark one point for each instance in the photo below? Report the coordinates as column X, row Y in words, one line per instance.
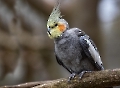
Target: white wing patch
column 94, row 53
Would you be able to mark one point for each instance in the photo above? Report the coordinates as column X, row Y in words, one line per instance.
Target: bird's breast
column 68, row 51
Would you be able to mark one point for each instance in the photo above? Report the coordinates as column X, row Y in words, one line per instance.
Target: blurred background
column 27, row 53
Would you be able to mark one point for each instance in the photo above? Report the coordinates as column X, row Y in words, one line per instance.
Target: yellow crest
column 55, row 15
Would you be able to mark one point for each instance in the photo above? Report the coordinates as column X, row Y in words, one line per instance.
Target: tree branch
column 97, row 79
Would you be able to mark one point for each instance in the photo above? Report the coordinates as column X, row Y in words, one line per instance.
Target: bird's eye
column 52, row 27
column 56, row 24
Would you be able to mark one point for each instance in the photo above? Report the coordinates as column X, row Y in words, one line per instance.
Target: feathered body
column 74, row 50
column 69, row 51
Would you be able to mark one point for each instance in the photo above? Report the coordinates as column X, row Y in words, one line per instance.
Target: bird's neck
column 62, row 36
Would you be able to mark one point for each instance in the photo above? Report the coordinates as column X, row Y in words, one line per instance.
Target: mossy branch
column 97, row 79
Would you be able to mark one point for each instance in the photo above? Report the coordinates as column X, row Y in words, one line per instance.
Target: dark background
column 27, row 53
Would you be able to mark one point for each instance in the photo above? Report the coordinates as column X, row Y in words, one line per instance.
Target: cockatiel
column 74, row 50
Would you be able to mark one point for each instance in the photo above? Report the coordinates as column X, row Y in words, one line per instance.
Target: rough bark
column 97, row 79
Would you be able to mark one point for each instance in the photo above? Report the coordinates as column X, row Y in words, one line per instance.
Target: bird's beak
column 49, row 31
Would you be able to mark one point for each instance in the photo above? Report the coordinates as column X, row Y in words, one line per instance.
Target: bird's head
column 55, row 24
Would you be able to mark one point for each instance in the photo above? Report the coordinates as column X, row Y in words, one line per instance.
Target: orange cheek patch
column 61, row 27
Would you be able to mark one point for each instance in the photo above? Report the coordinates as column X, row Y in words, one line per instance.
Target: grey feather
column 91, row 51
column 71, row 53
column 60, row 63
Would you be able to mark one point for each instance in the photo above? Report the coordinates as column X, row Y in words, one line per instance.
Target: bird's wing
column 91, row 51
column 61, row 63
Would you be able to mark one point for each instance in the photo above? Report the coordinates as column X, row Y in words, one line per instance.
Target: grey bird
column 74, row 49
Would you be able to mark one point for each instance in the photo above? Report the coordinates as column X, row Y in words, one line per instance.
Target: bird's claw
column 71, row 76
column 82, row 73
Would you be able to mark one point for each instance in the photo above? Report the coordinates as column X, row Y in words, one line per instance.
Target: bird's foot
column 82, row 73
column 71, row 76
